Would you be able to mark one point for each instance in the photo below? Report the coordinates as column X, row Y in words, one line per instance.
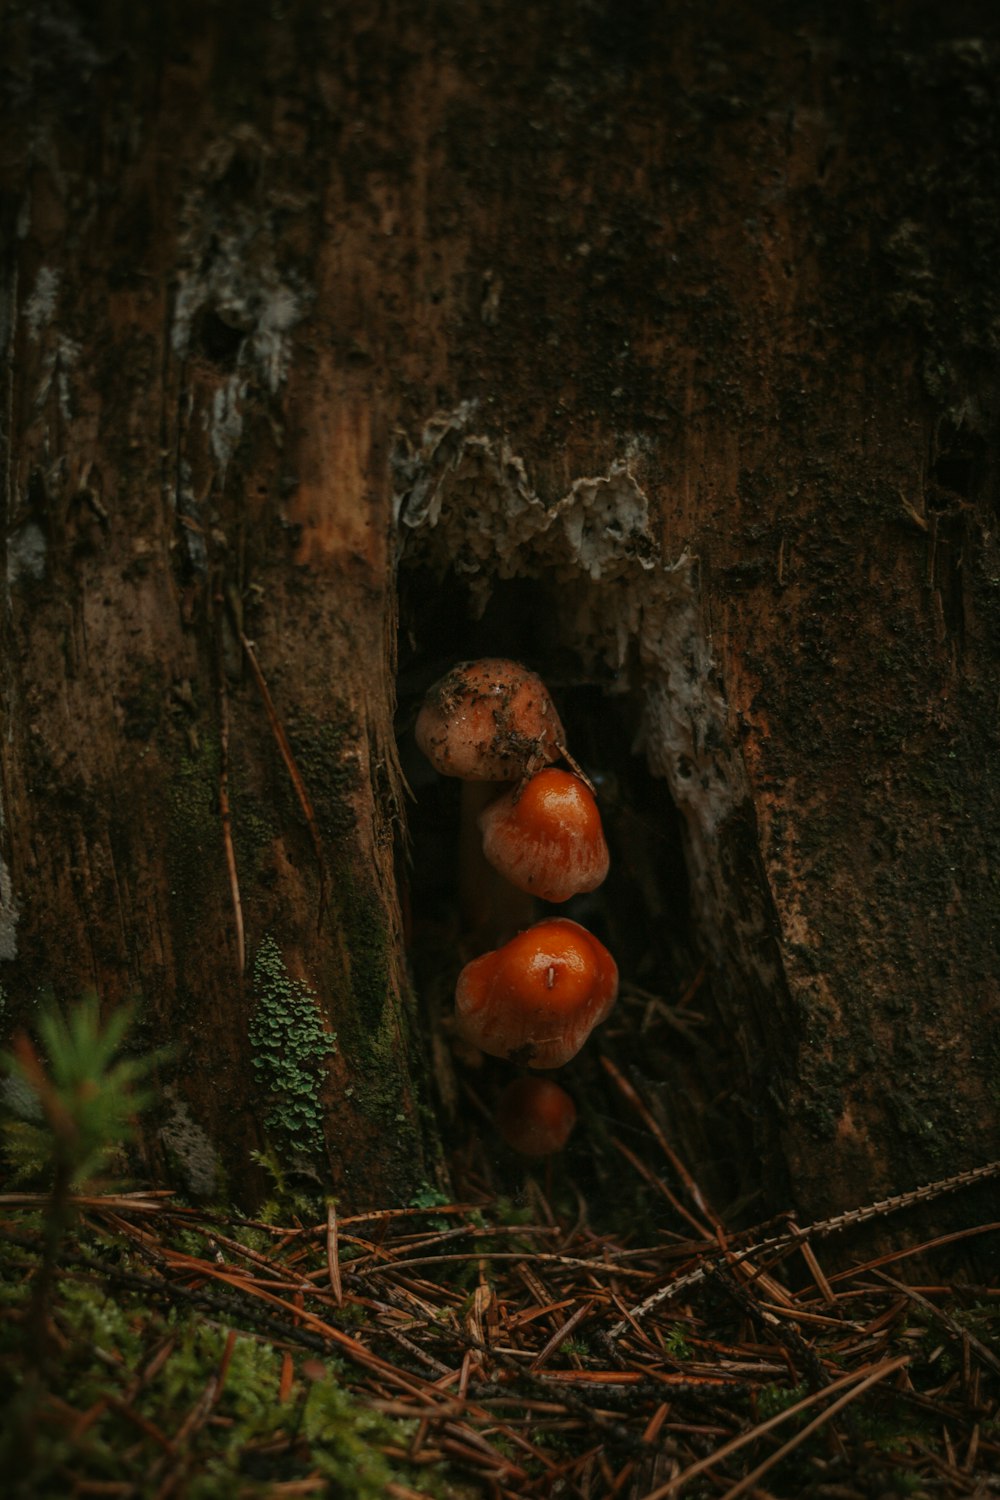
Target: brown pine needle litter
column 511, row 1359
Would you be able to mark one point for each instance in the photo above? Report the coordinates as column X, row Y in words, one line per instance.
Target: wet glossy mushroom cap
column 546, row 836
column 489, row 720
column 537, row 999
column 535, row 1116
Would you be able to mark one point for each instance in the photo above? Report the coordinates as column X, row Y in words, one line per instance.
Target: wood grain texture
column 748, row 256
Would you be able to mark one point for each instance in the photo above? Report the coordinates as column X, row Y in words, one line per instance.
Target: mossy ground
column 167, row 1400
column 453, row 1353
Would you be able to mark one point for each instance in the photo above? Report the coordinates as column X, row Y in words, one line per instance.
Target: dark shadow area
column 658, row 1033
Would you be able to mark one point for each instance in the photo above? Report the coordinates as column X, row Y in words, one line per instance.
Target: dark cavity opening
column 663, row 1033
column 218, row 340
column 956, row 469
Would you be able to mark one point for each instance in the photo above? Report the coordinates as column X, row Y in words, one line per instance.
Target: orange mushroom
column 489, row 720
column 535, row 1116
column 537, row 999
column 546, row 836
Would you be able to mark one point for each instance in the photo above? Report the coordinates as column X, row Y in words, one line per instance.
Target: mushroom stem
column 492, row 909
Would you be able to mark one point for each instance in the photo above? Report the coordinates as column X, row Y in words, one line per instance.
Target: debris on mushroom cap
column 537, row 999
column 489, row 720
column 546, row 836
column 535, row 1116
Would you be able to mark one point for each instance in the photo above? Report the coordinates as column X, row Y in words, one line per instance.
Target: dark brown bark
column 673, row 341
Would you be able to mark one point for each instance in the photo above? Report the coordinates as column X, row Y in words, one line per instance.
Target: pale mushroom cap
column 488, row 720
column 535, row 1116
column 546, row 836
column 537, row 999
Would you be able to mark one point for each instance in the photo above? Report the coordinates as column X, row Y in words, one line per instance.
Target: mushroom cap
column 537, row 999
column 535, row 1116
column 546, row 836
column 488, row 720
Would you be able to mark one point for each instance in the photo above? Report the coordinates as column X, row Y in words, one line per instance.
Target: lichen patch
column 40, row 307
column 189, row 1146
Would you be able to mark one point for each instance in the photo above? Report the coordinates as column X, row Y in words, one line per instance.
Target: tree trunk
column 659, row 351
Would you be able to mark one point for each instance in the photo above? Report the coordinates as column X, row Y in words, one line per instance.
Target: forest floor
column 497, row 1347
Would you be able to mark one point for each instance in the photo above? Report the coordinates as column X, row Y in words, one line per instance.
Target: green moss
column 427, row 1196
column 367, row 934
column 290, row 1048
column 255, row 1442
column 772, row 1399
column 323, row 754
column 389, row 1063
column 254, row 829
column 676, row 1343
column 193, row 834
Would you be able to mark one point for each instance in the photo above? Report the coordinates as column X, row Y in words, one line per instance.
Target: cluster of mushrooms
column 535, row 1000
